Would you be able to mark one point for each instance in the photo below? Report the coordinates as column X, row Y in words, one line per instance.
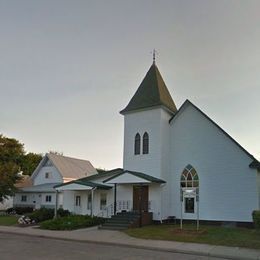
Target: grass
column 8, row 220
column 215, row 235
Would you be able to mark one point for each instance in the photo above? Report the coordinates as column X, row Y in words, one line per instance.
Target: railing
column 108, row 211
column 123, row 205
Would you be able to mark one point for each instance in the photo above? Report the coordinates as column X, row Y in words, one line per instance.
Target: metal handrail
column 108, row 211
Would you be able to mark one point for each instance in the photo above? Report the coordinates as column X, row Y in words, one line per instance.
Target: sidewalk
column 109, row 237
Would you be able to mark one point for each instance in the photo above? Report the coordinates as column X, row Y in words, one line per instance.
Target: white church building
column 176, row 162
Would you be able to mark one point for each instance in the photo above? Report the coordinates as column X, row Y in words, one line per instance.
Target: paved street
column 23, row 248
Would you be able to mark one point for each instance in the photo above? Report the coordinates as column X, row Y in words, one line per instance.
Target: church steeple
column 151, row 93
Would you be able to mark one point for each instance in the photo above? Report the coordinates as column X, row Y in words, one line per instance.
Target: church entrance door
column 140, row 198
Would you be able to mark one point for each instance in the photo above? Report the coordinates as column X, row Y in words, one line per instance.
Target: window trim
column 189, row 177
column 89, row 203
column 103, row 198
column 137, row 144
column 145, row 143
column 48, row 175
column 23, row 198
column 48, row 198
column 78, row 201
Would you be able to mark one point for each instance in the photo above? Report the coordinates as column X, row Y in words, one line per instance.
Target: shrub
column 41, row 214
column 63, row 212
column 19, row 210
column 71, row 222
column 256, row 218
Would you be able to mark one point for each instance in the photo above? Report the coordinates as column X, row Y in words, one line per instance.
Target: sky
column 68, row 67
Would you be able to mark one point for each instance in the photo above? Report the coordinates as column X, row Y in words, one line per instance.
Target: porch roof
column 81, row 185
column 133, row 177
column 46, row 187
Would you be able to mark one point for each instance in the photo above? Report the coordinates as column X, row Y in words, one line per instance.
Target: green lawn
column 215, row 235
column 8, row 220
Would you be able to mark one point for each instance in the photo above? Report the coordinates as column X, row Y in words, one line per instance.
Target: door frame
column 141, row 198
column 77, row 208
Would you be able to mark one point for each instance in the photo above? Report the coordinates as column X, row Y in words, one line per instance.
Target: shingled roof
column 68, row 167
column 151, row 93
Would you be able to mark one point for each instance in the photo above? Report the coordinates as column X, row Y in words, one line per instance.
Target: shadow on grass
column 215, row 235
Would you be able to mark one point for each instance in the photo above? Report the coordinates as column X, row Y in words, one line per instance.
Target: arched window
column 137, row 143
column 145, row 143
column 189, row 177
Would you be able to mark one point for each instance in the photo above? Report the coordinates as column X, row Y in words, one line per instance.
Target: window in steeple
column 145, row 143
column 137, row 143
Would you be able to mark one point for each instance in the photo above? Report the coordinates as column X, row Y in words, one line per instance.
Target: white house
column 176, row 162
column 52, row 170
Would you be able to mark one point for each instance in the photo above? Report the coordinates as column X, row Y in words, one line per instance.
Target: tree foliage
column 29, row 162
column 13, row 159
column 11, row 152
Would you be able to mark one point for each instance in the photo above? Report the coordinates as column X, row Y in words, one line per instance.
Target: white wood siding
column 228, row 187
column 154, row 123
column 54, row 178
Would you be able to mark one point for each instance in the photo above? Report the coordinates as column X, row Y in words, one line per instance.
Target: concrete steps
column 120, row 221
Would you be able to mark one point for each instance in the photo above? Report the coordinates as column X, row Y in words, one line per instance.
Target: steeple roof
column 151, row 93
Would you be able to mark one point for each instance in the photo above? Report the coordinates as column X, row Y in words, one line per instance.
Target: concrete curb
column 211, row 253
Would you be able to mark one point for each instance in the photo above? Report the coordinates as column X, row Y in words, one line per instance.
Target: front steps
column 122, row 220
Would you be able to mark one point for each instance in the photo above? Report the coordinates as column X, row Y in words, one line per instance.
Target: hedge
column 256, row 218
column 71, row 222
column 43, row 214
column 19, row 210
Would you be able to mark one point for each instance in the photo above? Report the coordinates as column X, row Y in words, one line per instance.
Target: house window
column 89, row 201
column 24, row 198
column 137, row 143
column 48, row 198
column 78, row 201
column 145, row 143
column 189, row 178
column 47, row 175
column 103, row 201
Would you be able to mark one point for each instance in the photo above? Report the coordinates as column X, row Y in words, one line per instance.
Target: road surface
column 19, row 247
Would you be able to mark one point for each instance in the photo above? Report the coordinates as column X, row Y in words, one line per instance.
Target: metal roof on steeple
column 151, row 93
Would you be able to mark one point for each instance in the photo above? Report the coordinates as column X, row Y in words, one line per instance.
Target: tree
column 29, row 162
column 11, row 153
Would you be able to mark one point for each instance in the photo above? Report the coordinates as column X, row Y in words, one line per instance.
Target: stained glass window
column 189, row 177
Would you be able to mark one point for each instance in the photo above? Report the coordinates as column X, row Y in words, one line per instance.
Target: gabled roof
column 85, row 183
column 90, row 181
column 254, row 164
column 68, row 167
column 141, row 175
column 25, row 181
column 151, row 93
column 104, row 174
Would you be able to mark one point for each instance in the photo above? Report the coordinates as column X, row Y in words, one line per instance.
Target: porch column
column 92, row 201
column 56, row 204
column 115, row 186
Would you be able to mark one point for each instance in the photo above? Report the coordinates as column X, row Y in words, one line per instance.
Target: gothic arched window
column 137, row 143
column 189, row 177
column 145, row 143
